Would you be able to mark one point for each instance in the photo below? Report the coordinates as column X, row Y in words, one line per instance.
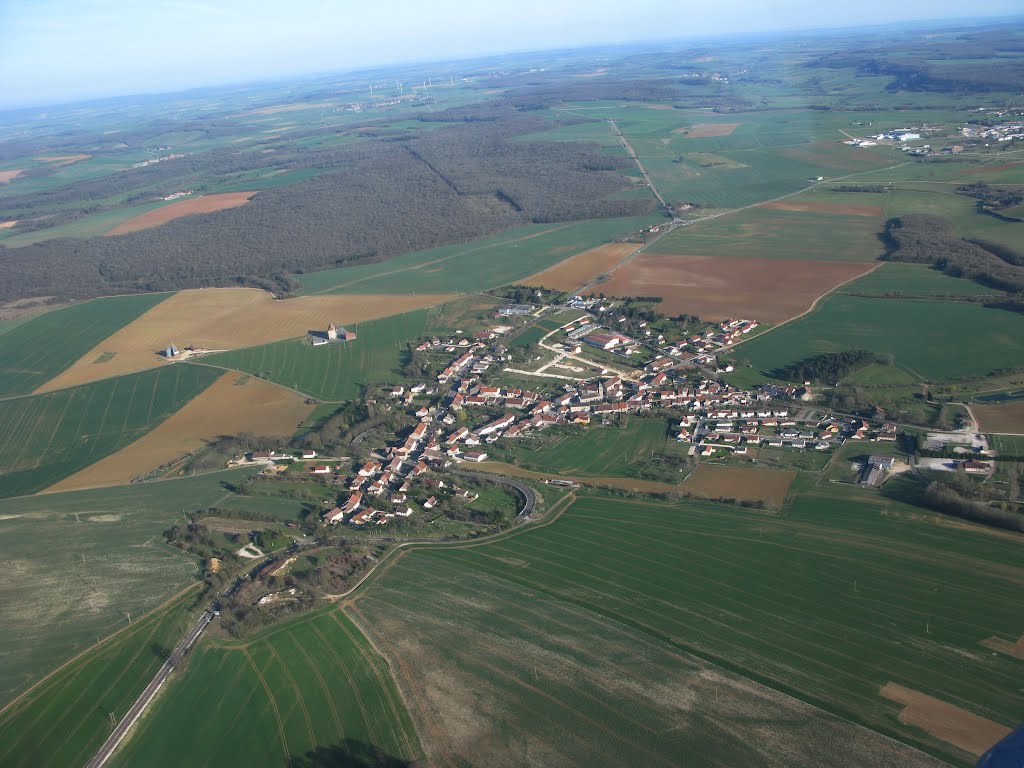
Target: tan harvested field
column 233, row 404
column 707, row 130
column 63, row 159
column 577, row 270
column 8, row 224
column 187, row 207
column 1004, row 646
column 6, row 176
column 945, row 721
column 717, row 288
column 1003, row 417
column 875, row 211
column 718, row 481
column 227, row 318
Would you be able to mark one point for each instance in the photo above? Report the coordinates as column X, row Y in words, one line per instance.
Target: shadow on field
column 349, row 753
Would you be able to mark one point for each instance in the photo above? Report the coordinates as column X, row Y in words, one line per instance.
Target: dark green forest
column 374, row 199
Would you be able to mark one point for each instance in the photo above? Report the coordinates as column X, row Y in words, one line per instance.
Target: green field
column 310, row 692
column 907, row 329
column 45, row 438
column 893, row 279
column 65, row 720
column 84, row 559
column 774, row 234
column 573, row 640
column 35, row 351
column 1008, row 445
column 597, row 452
column 477, row 265
column 334, row 371
column 768, row 154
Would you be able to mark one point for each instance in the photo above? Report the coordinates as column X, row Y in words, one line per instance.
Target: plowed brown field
column 707, row 130
column 945, row 721
column 577, row 270
column 234, row 403
column 188, row 207
column 6, row 176
column 1002, row 417
column 226, row 318
column 717, row 481
column 63, row 159
column 716, row 288
column 875, row 211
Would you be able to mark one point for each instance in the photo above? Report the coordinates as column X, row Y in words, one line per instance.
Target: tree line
column 829, row 367
column 927, row 239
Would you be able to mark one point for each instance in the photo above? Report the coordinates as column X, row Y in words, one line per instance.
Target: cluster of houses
column 334, row 333
column 1001, row 132
column 727, row 427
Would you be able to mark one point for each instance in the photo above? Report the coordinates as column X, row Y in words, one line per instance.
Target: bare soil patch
column 718, row 481
column 577, row 270
column 717, row 288
column 1004, row 646
column 1002, row 417
column 234, row 403
column 945, row 721
column 706, row 130
column 63, row 159
column 8, row 176
column 8, row 224
column 187, row 207
column 228, row 318
column 875, row 211
column 990, row 168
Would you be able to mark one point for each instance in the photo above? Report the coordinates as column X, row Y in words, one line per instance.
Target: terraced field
column 38, row 349
column 632, row 628
column 310, row 692
column 45, row 438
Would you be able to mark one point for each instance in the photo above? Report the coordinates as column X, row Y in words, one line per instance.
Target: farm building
column 334, row 333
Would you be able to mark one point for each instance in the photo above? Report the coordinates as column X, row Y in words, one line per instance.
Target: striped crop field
column 45, row 438
column 66, row 719
column 310, row 692
column 333, row 371
column 38, row 349
column 690, row 630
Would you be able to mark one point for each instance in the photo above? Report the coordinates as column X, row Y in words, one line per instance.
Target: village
column 458, row 415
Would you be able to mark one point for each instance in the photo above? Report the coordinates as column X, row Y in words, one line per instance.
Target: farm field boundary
column 234, row 404
column 224, row 319
column 45, row 438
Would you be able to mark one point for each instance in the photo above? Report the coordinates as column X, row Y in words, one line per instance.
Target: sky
column 55, row 51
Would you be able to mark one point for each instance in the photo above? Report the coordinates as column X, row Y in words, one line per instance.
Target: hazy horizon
column 58, row 51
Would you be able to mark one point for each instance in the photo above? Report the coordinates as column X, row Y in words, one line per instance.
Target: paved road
column 632, row 154
column 146, row 698
column 526, row 492
column 155, row 684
